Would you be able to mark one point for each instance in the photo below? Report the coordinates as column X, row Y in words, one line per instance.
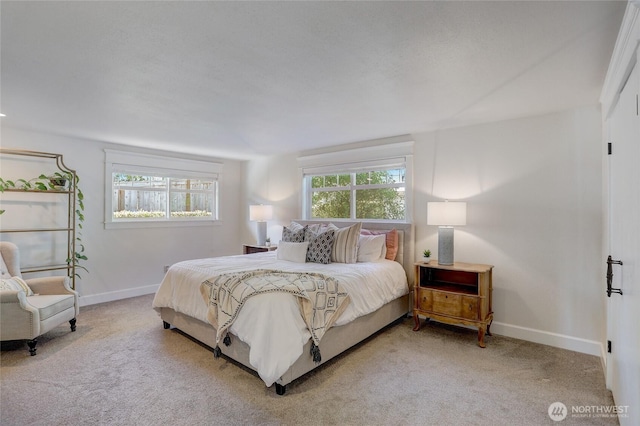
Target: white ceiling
column 240, row 79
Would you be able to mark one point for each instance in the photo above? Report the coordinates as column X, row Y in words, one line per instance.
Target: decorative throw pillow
column 345, row 247
column 320, row 246
column 318, row 227
column 391, row 241
column 293, row 252
column 295, row 226
column 294, row 233
column 15, row 284
column 371, row 248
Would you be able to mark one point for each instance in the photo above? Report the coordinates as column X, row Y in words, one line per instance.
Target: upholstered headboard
column 405, row 254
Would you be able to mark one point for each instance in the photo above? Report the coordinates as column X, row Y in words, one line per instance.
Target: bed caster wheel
column 281, row 389
column 166, row 325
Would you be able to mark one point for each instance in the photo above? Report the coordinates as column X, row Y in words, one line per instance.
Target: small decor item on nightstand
column 267, row 242
column 426, row 256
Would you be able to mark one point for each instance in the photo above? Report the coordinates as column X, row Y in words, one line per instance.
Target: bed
column 269, row 335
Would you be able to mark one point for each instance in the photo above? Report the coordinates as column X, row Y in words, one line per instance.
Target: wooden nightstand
column 454, row 294
column 252, row 248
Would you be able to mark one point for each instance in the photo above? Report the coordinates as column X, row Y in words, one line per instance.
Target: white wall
column 534, row 193
column 129, row 262
column 533, row 189
column 276, row 181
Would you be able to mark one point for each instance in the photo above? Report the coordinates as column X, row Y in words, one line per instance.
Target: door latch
column 610, row 276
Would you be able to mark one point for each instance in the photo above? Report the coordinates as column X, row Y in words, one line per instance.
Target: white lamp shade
column 260, row 212
column 447, row 213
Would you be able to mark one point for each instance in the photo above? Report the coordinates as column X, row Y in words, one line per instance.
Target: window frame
column 133, row 163
column 352, row 187
column 373, row 158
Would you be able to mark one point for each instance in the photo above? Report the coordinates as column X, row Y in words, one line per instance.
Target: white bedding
column 274, row 348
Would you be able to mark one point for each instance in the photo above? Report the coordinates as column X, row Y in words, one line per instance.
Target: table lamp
column 261, row 213
column 446, row 215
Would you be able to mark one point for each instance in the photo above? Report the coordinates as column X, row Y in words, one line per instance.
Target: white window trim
column 177, row 167
column 390, row 156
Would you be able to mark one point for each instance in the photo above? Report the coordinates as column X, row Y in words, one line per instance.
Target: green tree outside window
column 374, row 195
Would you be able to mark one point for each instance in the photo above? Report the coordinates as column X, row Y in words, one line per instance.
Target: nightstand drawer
column 447, row 303
column 250, row 248
column 425, row 300
column 470, row 308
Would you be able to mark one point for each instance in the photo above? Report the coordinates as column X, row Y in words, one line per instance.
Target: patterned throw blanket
column 319, row 296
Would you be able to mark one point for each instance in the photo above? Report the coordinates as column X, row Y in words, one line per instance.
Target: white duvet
column 273, row 349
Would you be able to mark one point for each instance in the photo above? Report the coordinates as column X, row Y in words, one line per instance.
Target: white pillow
column 293, row 252
column 371, row 247
column 15, row 284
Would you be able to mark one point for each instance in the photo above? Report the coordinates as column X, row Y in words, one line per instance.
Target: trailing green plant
column 79, row 252
column 41, row 183
column 6, row 184
column 53, row 183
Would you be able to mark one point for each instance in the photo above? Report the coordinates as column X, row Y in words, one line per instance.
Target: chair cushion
column 4, row 271
column 15, row 284
column 51, row 304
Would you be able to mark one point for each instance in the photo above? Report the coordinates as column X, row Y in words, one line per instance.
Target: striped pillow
column 345, row 244
column 15, row 284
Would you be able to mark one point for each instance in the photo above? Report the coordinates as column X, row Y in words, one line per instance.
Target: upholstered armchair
column 30, row 308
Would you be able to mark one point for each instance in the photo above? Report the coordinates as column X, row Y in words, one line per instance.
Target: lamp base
column 445, row 245
column 262, row 233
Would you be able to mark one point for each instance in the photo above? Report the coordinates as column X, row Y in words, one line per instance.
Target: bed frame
column 336, row 340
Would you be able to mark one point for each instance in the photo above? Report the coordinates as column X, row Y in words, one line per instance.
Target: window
column 153, row 197
column 371, row 188
column 374, row 194
column 148, row 193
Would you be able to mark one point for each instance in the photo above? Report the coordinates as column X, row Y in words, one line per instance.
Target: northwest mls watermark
column 558, row 411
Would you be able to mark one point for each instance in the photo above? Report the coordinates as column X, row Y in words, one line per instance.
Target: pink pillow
column 391, row 241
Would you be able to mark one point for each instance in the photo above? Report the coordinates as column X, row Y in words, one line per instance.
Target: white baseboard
column 117, row 295
column 603, row 359
column 590, row 347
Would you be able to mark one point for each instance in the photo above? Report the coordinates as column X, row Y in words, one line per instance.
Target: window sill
column 160, row 224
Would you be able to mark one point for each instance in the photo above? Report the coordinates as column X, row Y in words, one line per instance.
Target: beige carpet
column 122, row 368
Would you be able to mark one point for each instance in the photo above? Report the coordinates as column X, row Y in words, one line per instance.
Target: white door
column 623, row 310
